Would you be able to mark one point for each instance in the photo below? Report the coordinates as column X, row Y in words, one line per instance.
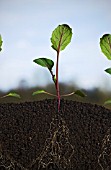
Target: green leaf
column 42, row 91
column 61, row 37
column 108, row 70
column 80, row 93
column 44, row 62
column 38, row 92
column 1, row 42
column 12, row 95
column 108, row 101
column 105, row 44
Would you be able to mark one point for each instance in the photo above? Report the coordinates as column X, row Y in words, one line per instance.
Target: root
column 57, row 150
column 56, row 154
column 7, row 162
column 104, row 158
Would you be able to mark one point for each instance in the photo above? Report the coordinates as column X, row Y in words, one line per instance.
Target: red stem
column 57, row 68
column 57, row 81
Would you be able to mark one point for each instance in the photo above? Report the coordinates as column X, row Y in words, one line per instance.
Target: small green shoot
column 61, row 37
column 42, row 91
column 11, row 95
column 105, row 44
column 80, row 93
column 107, row 102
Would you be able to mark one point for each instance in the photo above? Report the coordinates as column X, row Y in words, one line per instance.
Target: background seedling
column 11, row 94
column 105, row 44
column 61, row 37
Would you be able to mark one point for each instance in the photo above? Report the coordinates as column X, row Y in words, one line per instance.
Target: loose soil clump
column 34, row 136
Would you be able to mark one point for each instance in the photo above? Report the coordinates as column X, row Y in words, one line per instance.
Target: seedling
column 105, row 44
column 11, row 94
column 61, row 37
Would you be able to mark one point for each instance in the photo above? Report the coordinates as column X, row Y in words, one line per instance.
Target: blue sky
column 26, row 27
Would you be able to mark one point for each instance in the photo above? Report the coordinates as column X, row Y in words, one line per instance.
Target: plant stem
column 57, row 81
column 57, row 68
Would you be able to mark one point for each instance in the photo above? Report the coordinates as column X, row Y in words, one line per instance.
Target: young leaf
column 108, row 70
column 42, row 91
column 44, row 62
column 105, row 44
column 12, row 95
column 1, row 42
column 108, row 101
column 38, row 92
column 61, row 37
column 80, row 93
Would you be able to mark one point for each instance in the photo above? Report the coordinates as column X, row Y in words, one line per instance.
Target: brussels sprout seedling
column 61, row 37
column 9, row 94
column 105, row 44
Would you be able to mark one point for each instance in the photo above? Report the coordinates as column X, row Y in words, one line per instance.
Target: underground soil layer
column 33, row 135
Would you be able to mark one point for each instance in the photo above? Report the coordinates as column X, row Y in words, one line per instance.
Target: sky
column 26, row 27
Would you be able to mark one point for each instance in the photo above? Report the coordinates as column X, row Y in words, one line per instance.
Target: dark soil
column 34, row 136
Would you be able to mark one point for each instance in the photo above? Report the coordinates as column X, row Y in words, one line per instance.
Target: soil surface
column 34, row 136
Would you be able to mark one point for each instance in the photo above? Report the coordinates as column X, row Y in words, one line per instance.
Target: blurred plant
column 61, row 37
column 105, row 44
column 1, row 42
column 11, row 94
